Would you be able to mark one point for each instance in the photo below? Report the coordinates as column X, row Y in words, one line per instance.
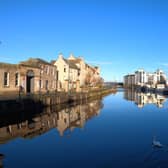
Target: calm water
column 114, row 132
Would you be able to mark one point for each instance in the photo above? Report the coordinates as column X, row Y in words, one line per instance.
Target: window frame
column 6, row 79
column 17, row 79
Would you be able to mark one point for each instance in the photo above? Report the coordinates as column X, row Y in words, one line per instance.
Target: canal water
column 116, row 132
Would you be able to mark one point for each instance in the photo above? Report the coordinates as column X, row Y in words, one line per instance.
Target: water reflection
column 28, row 125
column 157, row 157
column 141, row 99
column 119, row 138
column 1, row 160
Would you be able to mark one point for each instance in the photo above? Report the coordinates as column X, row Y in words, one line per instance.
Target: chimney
column 60, row 56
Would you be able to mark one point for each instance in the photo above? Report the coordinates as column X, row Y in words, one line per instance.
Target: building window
column 57, row 75
column 41, row 69
column 17, row 79
column 53, row 84
column 64, row 68
column 53, row 71
column 48, row 69
column 41, row 84
column 6, row 78
column 46, row 84
column 78, row 72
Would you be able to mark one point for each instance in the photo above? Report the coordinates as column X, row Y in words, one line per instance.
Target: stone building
column 43, row 79
column 68, row 76
column 92, row 77
column 9, row 77
column 36, row 75
column 31, row 76
column 88, row 75
column 79, row 62
column 75, row 74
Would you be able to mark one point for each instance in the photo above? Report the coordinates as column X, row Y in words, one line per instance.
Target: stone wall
column 12, row 70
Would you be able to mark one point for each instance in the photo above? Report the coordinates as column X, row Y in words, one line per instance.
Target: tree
column 88, row 79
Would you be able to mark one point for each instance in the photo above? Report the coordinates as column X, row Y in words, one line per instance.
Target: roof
column 91, row 67
column 7, row 65
column 76, row 61
column 35, row 62
column 52, row 62
column 70, row 63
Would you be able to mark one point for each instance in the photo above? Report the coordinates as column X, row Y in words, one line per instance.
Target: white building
column 68, row 74
column 140, row 77
column 151, row 80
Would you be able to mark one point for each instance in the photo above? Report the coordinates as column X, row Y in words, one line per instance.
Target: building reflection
column 141, row 98
column 34, row 124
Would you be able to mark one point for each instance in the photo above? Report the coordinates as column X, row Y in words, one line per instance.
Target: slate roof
column 35, row 62
column 70, row 63
column 6, row 65
column 76, row 61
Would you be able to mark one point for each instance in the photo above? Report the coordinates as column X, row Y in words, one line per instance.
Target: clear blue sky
column 120, row 36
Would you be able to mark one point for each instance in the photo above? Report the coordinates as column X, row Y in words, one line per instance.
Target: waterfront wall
column 25, row 102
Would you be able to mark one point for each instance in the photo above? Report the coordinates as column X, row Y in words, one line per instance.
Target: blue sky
column 120, row 36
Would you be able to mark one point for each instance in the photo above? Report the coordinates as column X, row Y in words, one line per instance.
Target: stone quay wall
column 23, row 102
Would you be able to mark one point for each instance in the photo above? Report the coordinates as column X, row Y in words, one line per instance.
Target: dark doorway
column 30, row 82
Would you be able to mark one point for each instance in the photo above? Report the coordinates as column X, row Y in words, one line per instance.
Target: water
column 114, row 132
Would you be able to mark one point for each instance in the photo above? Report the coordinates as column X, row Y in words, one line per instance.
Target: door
column 30, row 82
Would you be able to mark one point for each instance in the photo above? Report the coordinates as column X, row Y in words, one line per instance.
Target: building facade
column 68, row 74
column 31, row 76
column 141, row 78
column 36, row 75
column 129, row 80
column 80, row 63
column 88, row 75
column 75, row 74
